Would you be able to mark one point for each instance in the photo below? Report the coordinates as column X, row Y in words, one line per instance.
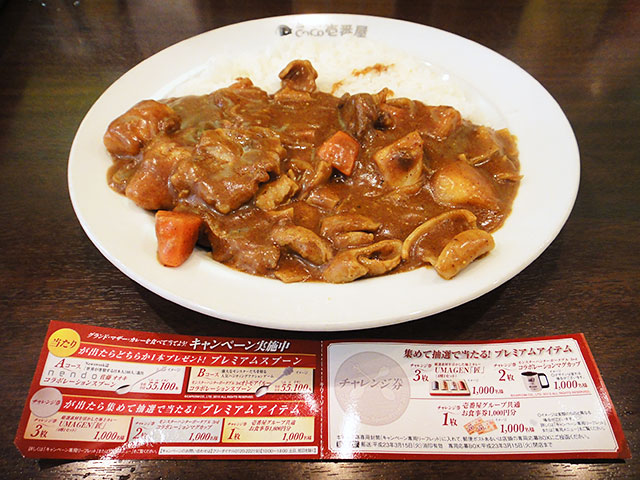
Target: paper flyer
column 107, row 393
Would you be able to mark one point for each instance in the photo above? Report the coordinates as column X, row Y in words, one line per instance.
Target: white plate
column 125, row 234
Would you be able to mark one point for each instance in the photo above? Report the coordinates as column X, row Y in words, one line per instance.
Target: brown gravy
column 250, row 164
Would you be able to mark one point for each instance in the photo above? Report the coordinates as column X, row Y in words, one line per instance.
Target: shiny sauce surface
column 224, row 156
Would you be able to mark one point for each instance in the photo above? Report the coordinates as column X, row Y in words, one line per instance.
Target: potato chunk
column 458, row 184
column 401, row 162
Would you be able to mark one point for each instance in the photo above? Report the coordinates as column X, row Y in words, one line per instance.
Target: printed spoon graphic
column 381, row 373
column 122, row 389
column 264, row 388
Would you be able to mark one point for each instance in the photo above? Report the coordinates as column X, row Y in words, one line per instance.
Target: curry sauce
column 301, row 185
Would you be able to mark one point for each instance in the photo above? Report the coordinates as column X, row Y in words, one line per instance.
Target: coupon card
column 537, row 399
column 106, row 393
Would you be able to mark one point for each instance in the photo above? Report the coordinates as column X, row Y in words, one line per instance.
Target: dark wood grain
column 56, row 58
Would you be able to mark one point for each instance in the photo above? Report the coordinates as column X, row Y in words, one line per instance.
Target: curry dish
column 305, row 186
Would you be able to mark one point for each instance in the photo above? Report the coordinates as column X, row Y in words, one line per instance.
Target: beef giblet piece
column 149, row 185
column 427, row 241
column 347, row 222
column 299, row 75
column 463, row 249
column 359, row 113
column 128, row 133
column 362, row 112
column 250, row 251
column 304, row 242
column 276, row 193
column 372, row 260
column 229, row 166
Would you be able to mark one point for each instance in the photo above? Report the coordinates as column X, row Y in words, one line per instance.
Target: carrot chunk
column 341, row 151
column 177, row 233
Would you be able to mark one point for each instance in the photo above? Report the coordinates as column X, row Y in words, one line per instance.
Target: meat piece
column 232, row 105
column 290, row 95
column 359, row 113
column 149, row 185
column 241, row 92
column 276, row 193
column 440, row 122
column 372, row 260
column 299, row 166
column 245, row 87
column 395, row 111
column 495, row 152
column 306, row 215
column 299, row 75
column 318, row 176
column 323, row 197
column 460, row 184
column 351, row 239
column 503, row 169
column 427, row 240
column 298, row 135
column 221, row 145
column 128, row 133
column 290, row 273
column 229, row 166
column 303, row 242
column 401, row 162
column 347, row 222
column 251, row 254
column 482, row 146
column 463, row 249
column 508, row 143
column 280, row 215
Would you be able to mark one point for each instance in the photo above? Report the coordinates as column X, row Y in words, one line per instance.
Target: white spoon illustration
column 264, row 388
column 386, row 393
column 122, row 389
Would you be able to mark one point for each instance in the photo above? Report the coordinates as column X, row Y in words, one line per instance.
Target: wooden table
column 56, row 57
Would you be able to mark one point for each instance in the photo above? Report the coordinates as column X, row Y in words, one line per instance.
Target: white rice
column 406, row 76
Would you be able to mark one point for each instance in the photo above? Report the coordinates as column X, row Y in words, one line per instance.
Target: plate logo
column 330, row 30
column 284, row 30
